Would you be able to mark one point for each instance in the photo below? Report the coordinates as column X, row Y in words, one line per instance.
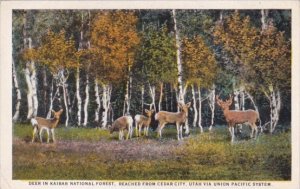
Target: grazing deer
column 39, row 124
column 234, row 117
column 121, row 124
column 178, row 118
column 142, row 121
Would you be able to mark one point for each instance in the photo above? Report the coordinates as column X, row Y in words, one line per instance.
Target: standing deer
column 178, row 118
column 121, row 124
column 142, row 121
column 39, row 124
column 234, row 117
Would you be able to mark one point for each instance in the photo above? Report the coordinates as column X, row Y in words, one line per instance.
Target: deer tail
column 33, row 122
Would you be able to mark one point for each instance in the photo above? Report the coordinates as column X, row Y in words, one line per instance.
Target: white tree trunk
column 211, row 102
column 242, row 100
column 264, row 16
column 160, row 97
column 79, row 101
column 51, row 99
column 97, row 112
column 236, row 99
column 200, row 110
column 255, row 107
column 29, row 91
column 33, row 82
column 178, row 56
column 126, row 100
column 18, row 92
column 87, row 99
column 275, row 106
column 45, row 90
column 142, row 97
column 194, row 106
column 152, row 94
column 66, row 105
column 34, row 90
column 30, row 76
column 106, row 103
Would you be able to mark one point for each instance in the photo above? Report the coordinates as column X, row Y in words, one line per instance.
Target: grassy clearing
column 84, row 153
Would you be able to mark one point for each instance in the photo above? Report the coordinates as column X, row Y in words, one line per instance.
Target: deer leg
column 147, row 130
column 140, row 130
column 53, row 136
column 33, row 134
column 131, row 131
column 232, row 134
column 128, row 134
column 254, row 128
column 160, row 127
column 136, row 129
column 180, row 131
column 40, row 133
column 48, row 135
column 120, row 135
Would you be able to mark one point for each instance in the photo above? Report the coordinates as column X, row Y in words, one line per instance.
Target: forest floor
column 93, row 154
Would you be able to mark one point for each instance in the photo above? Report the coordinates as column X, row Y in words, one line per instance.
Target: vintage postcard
column 150, row 94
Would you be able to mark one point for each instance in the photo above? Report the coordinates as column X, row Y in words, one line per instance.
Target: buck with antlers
column 234, row 117
column 178, row 118
column 121, row 124
column 142, row 121
column 39, row 124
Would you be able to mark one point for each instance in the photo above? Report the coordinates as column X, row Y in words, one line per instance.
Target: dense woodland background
column 101, row 64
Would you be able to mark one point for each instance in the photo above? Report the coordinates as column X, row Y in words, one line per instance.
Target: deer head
column 184, row 107
column 57, row 114
column 149, row 112
column 224, row 104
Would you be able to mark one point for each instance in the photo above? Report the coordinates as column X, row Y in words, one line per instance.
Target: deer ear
column 147, row 111
column 52, row 111
column 179, row 104
column 188, row 104
column 229, row 101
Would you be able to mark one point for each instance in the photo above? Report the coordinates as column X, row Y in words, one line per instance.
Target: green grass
column 85, row 153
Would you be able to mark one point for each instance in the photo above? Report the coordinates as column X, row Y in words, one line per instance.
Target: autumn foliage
column 114, row 38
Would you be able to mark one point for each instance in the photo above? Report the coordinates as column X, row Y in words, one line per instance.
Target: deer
column 142, row 121
column 39, row 124
column 179, row 118
column 234, row 117
column 121, row 124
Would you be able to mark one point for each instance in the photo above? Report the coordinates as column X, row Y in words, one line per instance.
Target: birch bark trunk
column 152, row 94
column 66, row 104
column 126, row 107
column 194, row 106
column 106, row 103
column 29, row 92
column 275, row 106
column 160, row 97
column 18, row 92
column 97, row 112
column 200, row 110
column 178, row 57
column 79, row 101
column 86, row 102
column 142, row 97
column 211, row 101
column 45, row 90
column 33, row 82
